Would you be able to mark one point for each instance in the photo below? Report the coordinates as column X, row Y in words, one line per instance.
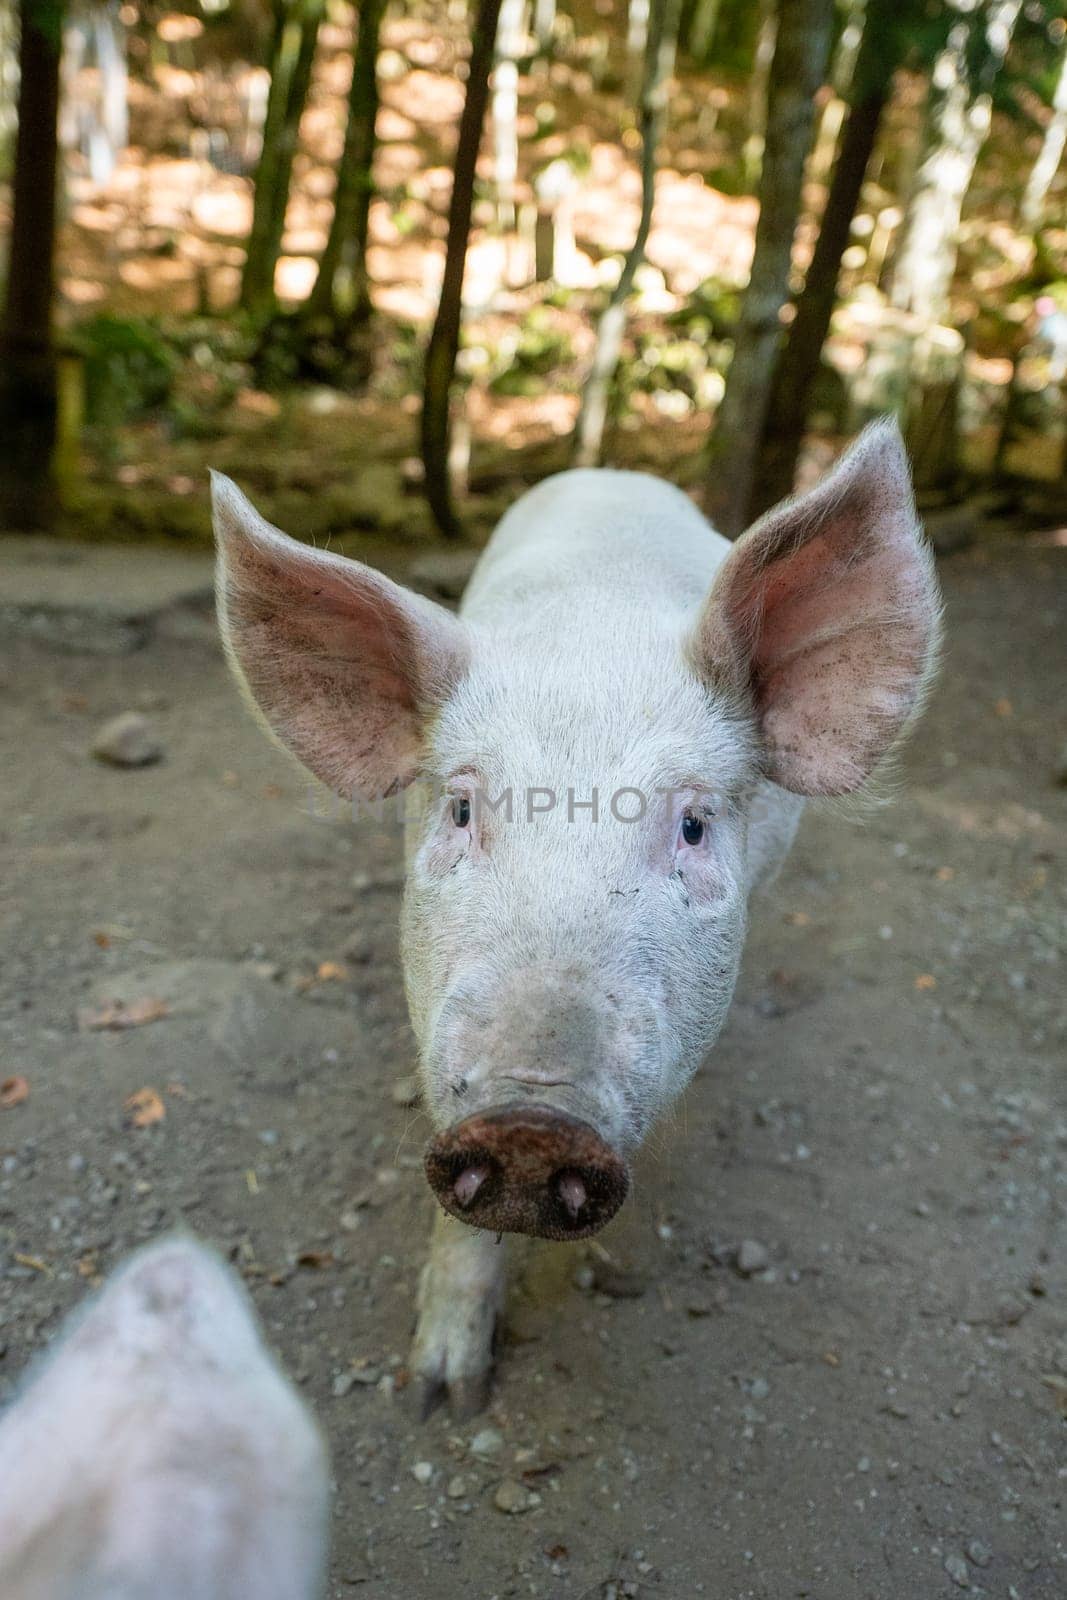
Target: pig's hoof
column 452, row 1361
column 465, row 1397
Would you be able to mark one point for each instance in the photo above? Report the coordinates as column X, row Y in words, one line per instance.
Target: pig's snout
column 527, row 1169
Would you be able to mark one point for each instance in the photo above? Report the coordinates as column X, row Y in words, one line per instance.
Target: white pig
column 159, row 1453
column 656, row 703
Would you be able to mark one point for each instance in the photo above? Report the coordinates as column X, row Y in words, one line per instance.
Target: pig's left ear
column 825, row 614
column 345, row 666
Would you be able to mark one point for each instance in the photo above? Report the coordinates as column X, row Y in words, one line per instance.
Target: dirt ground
column 877, row 1411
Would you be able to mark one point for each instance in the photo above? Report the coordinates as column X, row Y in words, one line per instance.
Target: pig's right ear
column 345, row 666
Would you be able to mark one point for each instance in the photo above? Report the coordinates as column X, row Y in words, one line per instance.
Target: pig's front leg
column 461, row 1295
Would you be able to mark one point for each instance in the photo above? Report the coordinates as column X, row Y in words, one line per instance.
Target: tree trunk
column 510, row 37
column 957, row 123
column 800, row 58
column 28, row 373
column 758, row 85
column 342, row 287
column 443, row 347
column 1047, row 164
column 798, row 358
column 702, row 30
column 296, row 32
column 659, row 65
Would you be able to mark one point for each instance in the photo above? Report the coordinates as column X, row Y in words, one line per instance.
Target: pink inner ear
column 344, row 664
column 832, row 603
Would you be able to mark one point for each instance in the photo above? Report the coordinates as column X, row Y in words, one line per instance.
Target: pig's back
column 589, row 533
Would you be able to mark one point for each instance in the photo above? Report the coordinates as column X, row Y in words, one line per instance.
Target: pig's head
column 567, row 970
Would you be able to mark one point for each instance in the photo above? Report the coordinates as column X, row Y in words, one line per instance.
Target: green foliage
column 711, row 312
column 540, row 348
column 901, row 32
column 129, row 368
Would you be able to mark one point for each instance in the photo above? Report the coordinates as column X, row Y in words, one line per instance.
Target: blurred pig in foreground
column 159, row 1453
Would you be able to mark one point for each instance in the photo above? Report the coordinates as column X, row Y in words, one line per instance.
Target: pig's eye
column 461, row 810
column 692, row 828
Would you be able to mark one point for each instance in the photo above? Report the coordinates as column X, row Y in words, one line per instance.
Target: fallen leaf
column 315, row 1258
column 88, row 1267
column 831, row 1358
column 1003, row 707
column 144, row 1107
column 34, row 1263
column 926, row 981
column 330, row 970
column 115, row 1015
column 797, row 919
column 557, row 1552
column 13, row 1091
column 1058, row 1385
column 945, row 874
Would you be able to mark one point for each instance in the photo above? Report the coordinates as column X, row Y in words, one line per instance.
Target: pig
column 614, row 741
column 159, row 1453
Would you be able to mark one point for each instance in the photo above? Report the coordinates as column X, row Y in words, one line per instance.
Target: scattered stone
column 366, row 1375
column 422, row 1471
column 514, row 1498
column 759, row 1388
column 752, row 1257
column 342, row 1385
column 956, row 1568
column 406, row 1092
column 979, row 1553
column 457, row 1488
column 486, row 1443
column 129, row 740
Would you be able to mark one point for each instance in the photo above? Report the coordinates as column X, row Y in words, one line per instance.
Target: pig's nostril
column 572, row 1192
column 468, row 1183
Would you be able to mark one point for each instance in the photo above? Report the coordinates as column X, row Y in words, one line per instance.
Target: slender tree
column 342, row 287
column 891, row 28
column 958, row 118
column 1047, row 164
column 28, row 372
column 660, row 49
column 800, row 59
column 296, row 32
column 443, row 347
column 510, row 37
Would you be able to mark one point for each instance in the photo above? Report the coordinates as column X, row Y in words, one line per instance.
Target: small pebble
column 488, row 1442
column 956, row 1568
column 979, row 1553
column 457, row 1488
column 128, row 741
column 405, row 1092
column 514, row 1498
column 751, row 1257
column 342, row 1385
column 422, row 1471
